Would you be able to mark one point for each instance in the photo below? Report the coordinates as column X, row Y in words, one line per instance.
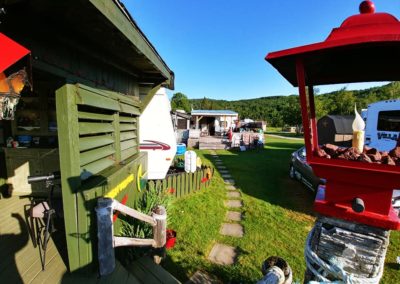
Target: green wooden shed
column 93, row 73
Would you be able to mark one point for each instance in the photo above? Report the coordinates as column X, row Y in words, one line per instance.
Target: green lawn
column 278, row 216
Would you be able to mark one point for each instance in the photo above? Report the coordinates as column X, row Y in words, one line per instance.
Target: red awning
column 364, row 48
column 10, row 52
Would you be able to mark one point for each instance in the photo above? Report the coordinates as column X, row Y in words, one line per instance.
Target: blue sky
column 217, row 47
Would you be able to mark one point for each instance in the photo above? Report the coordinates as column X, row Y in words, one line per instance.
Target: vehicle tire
column 292, row 172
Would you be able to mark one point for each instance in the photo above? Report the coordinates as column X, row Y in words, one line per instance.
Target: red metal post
column 304, row 107
column 313, row 120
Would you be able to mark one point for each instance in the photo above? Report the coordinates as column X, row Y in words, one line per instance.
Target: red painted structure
column 10, row 51
column 365, row 48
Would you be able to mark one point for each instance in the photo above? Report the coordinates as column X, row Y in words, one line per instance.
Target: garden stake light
column 350, row 239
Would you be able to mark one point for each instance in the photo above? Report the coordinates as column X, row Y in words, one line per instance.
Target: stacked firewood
column 368, row 155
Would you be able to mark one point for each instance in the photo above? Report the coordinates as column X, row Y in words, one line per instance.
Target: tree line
column 279, row 111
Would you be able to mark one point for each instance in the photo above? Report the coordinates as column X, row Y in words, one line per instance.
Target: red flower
column 171, row 190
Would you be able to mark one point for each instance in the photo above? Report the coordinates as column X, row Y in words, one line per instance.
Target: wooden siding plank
column 130, row 119
column 94, row 116
column 126, row 127
column 127, row 135
column 94, row 128
column 129, row 109
column 95, row 167
column 86, row 143
column 131, row 100
column 68, row 140
column 117, row 145
column 91, row 99
column 128, row 144
column 128, row 153
column 96, row 154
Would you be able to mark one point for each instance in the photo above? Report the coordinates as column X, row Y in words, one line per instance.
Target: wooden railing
column 181, row 184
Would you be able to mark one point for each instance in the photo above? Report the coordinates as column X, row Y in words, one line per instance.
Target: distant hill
column 285, row 110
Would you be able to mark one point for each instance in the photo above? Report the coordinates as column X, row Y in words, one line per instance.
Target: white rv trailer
column 157, row 136
column 383, row 124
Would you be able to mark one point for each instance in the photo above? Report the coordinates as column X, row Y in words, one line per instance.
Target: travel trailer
column 383, row 124
column 157, row 136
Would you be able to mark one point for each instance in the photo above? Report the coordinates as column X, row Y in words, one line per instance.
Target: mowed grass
column 277, row 218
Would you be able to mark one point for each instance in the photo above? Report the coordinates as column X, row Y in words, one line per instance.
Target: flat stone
column 219, row 167
column 233, row 216
column 232, row 230
column 222, row 254
column 233, row 203
column 231, row 187
column 224, row 172
column 218, row 162
column 229, row 181
column 200, row 277
column 226, row 176
column 233, row 194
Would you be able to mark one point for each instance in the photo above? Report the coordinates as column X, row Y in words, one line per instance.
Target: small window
column 389, row 120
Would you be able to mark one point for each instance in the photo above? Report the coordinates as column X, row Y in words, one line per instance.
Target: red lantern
column 365, row 48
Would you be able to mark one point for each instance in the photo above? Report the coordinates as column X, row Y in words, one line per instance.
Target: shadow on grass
column 263, row 174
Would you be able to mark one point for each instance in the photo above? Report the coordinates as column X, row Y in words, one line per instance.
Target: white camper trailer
column 157, row 136
column 383, row 125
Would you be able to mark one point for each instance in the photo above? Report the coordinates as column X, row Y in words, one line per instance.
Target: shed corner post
column 68, row 139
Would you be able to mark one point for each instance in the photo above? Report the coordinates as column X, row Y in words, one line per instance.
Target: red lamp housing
column 365, row 48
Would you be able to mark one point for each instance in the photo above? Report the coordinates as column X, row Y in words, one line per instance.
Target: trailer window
column 389, row 120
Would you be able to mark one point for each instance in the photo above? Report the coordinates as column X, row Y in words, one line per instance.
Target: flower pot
column 171, row 238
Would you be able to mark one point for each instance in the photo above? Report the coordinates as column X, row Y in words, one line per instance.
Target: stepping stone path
column 220, row 253
column 202, row 277
column 233, row 194
column 231, row 187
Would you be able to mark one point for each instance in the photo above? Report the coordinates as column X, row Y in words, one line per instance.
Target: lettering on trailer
column 391, row 136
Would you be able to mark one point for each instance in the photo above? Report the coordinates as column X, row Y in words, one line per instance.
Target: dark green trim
column 120, row 20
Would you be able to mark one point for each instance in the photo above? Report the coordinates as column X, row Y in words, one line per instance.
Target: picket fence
column 181, row 184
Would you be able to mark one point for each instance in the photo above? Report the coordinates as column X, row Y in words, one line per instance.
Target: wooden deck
column 20, row 260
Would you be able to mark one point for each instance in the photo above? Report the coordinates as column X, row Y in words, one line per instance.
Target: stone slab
column 229, row 181
column 233, row 216
column 233, row 194
column 202, row 277
column 233, row 203
column 227, row 176
column 232, row 230
column 224, row 172
column 222, row 254
column 231, row 187
column 218, row 162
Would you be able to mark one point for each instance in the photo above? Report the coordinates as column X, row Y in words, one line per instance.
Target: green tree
column 344, row 102
column 180, row 101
